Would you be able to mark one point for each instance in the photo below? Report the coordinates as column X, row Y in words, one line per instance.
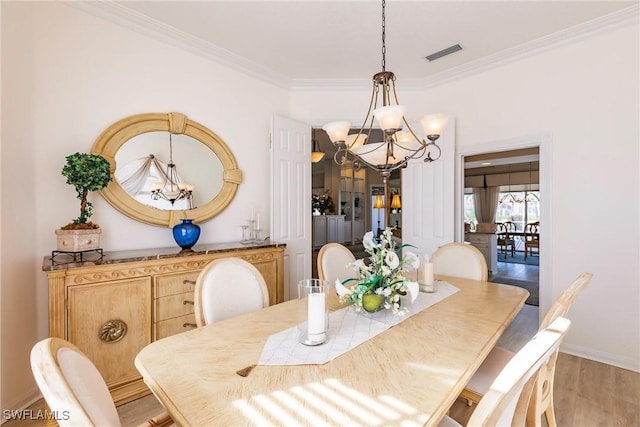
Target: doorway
column 501, row 189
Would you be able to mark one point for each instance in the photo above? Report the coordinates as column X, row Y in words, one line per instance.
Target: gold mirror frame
column 110, row 141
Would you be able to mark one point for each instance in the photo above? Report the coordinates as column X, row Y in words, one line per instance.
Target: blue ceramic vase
column 186, row 234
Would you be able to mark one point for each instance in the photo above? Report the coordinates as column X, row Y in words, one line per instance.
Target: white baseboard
column 21, row 404
column 603, row 357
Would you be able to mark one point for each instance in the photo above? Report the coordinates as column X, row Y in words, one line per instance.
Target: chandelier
column 172, row 188
column 398, row 145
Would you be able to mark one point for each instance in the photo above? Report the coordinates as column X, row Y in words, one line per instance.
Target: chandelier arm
column 429, row 159
column 413, row 133
column 371, row 165
column 342, row 156
column 372, row 103
column 418, row 153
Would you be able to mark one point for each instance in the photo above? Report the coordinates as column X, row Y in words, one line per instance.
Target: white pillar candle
column 425, row 277
column 316, row 314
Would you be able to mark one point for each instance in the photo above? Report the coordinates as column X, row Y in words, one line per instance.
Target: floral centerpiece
column 380, row 282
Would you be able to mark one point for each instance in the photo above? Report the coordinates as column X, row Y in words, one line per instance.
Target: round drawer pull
column 112, row 331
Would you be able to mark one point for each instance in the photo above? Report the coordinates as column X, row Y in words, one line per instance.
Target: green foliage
column 86, row 172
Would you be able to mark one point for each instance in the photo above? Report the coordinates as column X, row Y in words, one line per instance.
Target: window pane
column 469, row 210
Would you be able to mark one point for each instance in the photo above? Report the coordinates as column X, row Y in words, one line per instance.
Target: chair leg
column 550, row 416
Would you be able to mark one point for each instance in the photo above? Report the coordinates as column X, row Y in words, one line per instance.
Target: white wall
column 66, row 76
column 586, row 94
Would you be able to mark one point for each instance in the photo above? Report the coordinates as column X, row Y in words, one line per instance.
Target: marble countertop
column 63, row 261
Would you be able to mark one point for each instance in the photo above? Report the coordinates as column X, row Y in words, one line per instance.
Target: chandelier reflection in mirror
column 172, row 188
column 398, row 145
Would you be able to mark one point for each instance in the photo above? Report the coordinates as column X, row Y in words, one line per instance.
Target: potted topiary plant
column 86, row 172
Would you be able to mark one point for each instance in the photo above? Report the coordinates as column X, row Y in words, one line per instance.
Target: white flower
column 342, row 290
column 413, row 289
column 359, row 265
column 367, row 241
column 412, row 260
column 392, row 260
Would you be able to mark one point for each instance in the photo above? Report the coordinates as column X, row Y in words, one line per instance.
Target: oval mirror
column 140, row 149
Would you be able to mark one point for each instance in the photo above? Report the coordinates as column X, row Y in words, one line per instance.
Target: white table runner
column 347, row 329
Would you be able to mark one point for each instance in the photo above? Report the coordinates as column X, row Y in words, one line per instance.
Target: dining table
column 409, row 374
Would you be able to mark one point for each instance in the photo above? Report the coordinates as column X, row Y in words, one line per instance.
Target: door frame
column 543, row 141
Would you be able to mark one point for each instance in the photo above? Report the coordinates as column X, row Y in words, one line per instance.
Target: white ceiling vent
column 444, row 52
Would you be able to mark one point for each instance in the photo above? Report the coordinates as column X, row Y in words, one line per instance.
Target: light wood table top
column 410, row 374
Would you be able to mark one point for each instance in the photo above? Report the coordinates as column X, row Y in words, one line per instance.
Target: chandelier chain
column 384, row 47
column 170, row 149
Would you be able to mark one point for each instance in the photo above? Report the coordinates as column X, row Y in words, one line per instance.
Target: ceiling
column 329, row 41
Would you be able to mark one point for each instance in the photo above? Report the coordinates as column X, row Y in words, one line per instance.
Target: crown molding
column 135, row 21
column 612, row 21
column 142, row 24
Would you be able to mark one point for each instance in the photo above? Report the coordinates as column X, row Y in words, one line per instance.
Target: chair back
column 531, row 231
column 460, row 260
column 562, row 305
column 71, row 385
column 228, row 287
column 507, row 400
column 509, row 226
column 542, row 394
column 333, row 263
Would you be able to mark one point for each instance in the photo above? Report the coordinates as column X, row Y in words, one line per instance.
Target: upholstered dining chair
column 542, row 397
column 505, row 402
column 228, row 287
column 531, row 238
column 460, row 260
column 73, row 387
column 333, row 263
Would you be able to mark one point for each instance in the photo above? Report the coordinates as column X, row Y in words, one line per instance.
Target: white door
column 428, row 194
column 291, row 198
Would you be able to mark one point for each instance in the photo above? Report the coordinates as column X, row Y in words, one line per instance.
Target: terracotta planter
column 78, row 240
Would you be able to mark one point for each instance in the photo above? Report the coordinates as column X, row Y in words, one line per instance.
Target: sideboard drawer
column 173, row 306
column 174, row 326
column 171, row 284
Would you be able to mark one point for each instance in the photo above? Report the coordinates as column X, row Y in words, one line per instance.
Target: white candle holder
column 244, row 240
column 426, row 277
column 313, row 311
column 253, row 230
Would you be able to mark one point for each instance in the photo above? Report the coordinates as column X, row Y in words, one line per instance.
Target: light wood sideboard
column 113, row 307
